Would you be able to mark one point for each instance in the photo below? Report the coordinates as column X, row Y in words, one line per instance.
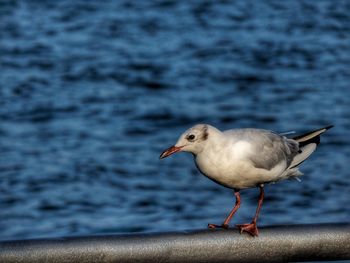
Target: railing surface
column 274, row 244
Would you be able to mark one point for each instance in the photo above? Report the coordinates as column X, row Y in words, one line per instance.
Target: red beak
column 169, row 151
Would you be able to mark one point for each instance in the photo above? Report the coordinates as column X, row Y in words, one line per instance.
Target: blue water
column 92, row 91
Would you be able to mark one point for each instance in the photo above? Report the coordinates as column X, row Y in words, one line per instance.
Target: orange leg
column 234, row 210
column 252, row 228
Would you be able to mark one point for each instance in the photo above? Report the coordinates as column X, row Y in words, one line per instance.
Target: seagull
column 245, row 158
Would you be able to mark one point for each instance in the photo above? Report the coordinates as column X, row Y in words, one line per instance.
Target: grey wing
column 270, row 149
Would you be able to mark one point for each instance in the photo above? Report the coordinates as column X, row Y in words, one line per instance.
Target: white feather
column 307, row 150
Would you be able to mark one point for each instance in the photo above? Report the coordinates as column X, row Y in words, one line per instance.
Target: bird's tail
column 307, row 145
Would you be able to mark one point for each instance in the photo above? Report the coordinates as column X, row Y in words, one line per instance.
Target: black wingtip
column 305, row 139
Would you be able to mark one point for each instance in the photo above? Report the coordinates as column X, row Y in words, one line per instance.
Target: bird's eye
column 191, row 137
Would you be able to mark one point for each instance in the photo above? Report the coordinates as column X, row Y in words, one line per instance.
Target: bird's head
column 193, row 140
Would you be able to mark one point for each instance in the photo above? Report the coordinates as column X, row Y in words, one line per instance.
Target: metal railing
column 274, row 244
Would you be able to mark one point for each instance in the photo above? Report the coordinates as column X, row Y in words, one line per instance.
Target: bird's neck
column 215, row 143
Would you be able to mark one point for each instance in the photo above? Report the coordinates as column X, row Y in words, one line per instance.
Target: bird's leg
column 233, row 211
column 252, row 228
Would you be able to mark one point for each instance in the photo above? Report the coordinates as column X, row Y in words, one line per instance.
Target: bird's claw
column 249, row 228
column 224, row 226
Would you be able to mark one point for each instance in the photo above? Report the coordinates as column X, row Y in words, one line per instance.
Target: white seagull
column 245, row 158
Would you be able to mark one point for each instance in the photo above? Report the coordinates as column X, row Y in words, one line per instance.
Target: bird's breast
column 225, row 168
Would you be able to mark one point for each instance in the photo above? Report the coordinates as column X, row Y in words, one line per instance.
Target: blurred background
column 91, row 92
